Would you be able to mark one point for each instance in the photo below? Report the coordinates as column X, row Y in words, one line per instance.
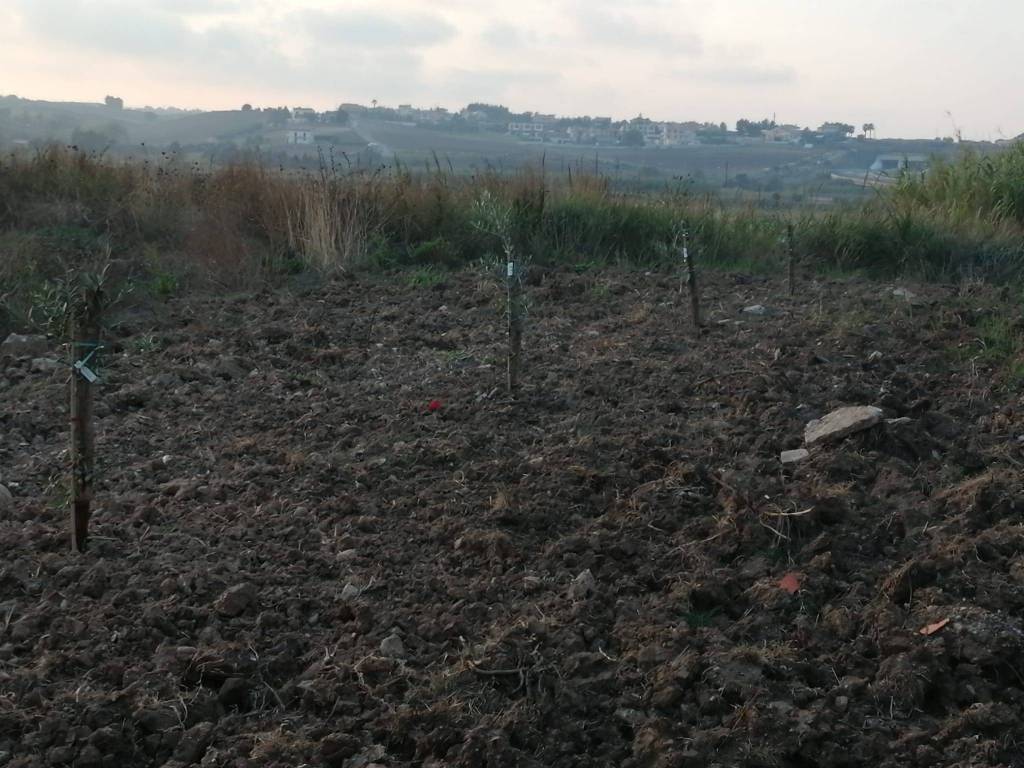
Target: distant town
column 639, row 131
column 831, row 161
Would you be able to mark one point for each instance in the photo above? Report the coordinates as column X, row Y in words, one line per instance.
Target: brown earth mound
column 297, row 560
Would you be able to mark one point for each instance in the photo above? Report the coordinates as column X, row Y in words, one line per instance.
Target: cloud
column 199, row 7
column 491, row 84
column 740, row 74
column 376, row 57
column 365, row 29
column 112, row 26
column 505, row 35
column 614, row 28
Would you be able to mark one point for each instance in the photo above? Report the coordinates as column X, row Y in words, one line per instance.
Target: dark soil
column 296, row 560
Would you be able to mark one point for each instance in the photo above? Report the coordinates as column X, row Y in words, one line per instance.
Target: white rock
column 757, row 310
column 875, row 356
column 903, row 293
column 350, row 592
column 236, row 600
column 20, row 345
column 794, row 457
column 45, row 365
column 582, row 585
column 842, row 423
column 392, row 647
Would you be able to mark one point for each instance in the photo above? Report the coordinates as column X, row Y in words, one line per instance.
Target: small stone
column 60, row 756
column 6, row 500
column 532, row 584
column 234, row 694
column 156, row 719
column 45, row 365
column 194, row 743
column 236, row 600
column 875, row 356
column 842, row 423
column 757, row 310
column 392, row 647
column 903, row 293
column 350, row 592
column 842, row 702
column 19, row 345
column 90, row 757
column 583, row 585
column 230, row 368
column 94, row 582
column 794, row 457
column 348, row 554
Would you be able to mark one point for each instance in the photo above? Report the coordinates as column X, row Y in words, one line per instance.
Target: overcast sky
column 913, row 67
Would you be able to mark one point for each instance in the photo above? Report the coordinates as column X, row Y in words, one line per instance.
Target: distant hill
column 201, row 128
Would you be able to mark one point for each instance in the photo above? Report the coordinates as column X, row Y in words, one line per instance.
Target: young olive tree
column 71, row 309
column 681, row 244
column 495, row 218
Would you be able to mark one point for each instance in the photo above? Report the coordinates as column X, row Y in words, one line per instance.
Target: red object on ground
column 791, row 583
column 435, row 405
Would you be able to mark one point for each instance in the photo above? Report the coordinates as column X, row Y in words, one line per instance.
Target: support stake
column 791, row 249
column 515, row 326
column 84, row 344
column 691, row 281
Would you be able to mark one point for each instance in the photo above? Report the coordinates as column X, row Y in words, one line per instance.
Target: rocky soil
column 324, row 535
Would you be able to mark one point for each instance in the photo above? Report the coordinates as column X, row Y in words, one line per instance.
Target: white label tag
column 86, row 372
column 511, row 268
column 686, row 254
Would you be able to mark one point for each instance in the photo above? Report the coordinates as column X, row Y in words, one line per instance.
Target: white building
column 894, row 163
column 783, row 134
column 299, row 137
column 529, row 130
column 677, row 134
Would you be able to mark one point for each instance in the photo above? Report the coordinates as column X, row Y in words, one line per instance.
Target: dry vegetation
column 170, row 225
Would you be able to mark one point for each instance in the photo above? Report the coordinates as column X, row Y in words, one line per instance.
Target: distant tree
column 496, row 112
column 339, row 116
column 114, row 102
column 247, row 107
column 723, row 127
column 632, row 138
column 373, row 102
column 712, row 135
column 869, row 130
column 278, row 116
column 753, row 128
column 98, row 139
column 840, row 129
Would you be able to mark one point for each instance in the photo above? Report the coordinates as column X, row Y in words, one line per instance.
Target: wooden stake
column 691, row 280
column 85, row 335
column 515, row 327
column 791, row 248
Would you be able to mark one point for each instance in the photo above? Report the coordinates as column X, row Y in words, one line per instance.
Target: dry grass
column 176, row 225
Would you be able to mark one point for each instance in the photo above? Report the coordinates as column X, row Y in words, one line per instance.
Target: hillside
column 219, row 136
